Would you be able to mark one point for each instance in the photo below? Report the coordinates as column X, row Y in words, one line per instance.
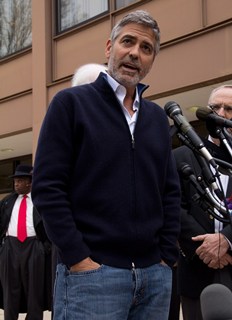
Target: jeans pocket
column 85, row 272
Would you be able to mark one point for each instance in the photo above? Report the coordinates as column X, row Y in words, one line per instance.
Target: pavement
column 47, row 315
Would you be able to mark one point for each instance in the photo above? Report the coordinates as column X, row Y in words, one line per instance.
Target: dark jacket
column 194, row 274
column 101, row 192
column 6, row 207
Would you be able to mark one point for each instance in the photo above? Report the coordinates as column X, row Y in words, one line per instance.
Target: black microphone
column 187, row 173
column 201, row 196
column 213, row 129
column 205, row 113
column 208, row 176
column 173, row 110
column 219, row 132
column 216, row 302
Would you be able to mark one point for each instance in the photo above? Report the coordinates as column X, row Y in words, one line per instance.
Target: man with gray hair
column 87, row 73
column 205, row 241
column 110, row 196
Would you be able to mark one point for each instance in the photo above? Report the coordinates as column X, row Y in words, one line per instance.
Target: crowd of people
column 110, row 230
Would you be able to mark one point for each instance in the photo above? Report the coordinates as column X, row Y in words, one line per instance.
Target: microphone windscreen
column 212, row 128
column 203, row 112
column 216, row 302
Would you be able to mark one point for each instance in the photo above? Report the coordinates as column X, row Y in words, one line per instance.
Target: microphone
column 213, row 129
column 203, row 197
column 173, row 110
column 187, row 173
column 209, row 177
column 205, row 113
column 216, row 302
column 218, row 132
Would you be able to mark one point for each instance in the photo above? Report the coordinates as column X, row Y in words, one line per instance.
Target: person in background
column 205, row 242
column 25, row 273
column 110, row 196
column 87, row 73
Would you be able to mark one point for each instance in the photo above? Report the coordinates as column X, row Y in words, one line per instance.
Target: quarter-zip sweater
column 102, row 193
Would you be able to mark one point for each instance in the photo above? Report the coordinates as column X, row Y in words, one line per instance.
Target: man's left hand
column 213, row 248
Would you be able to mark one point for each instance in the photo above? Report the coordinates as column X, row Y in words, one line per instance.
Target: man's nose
column 134, row 51
column 221, row 112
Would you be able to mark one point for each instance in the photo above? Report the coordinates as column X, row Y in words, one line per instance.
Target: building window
column 15, row 26
column 123, row 3
column 74, row 12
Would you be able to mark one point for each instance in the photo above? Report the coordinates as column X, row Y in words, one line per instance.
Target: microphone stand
column 187, row 135
column 221, row 135
column 218, row 203
column 203, row 196
column 224, row 167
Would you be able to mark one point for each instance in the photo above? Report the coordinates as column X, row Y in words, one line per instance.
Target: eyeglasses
column 217, row 107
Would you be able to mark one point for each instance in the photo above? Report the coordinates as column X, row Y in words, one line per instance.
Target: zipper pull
column 133, row 141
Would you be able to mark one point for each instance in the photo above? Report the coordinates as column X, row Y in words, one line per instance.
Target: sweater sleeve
column 171, row 205
column 51, row 181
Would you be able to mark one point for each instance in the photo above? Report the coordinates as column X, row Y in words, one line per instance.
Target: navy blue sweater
column 101, row 194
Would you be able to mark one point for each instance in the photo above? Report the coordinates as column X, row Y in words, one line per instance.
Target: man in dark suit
column 25, row 271
column 205, row 243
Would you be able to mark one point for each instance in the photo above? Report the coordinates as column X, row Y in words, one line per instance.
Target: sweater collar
column 139, row 89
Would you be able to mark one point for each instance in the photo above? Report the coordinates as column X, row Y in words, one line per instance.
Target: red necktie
column 22, row 229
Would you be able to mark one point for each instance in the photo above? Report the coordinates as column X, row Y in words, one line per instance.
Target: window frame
column 58, row 30
column 28, row 39
column 129, row 4
column 110, row 12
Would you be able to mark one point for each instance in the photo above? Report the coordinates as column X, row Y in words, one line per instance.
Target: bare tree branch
column 15, row 26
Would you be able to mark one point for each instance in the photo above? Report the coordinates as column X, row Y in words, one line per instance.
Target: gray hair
column 224, row 86
column 140, row 17
column 87, row 73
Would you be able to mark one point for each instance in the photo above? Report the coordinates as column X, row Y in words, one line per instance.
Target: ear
column 108, row 48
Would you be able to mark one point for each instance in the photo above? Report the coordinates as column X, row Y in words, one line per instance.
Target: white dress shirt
column 12, row 228
column 120, row 92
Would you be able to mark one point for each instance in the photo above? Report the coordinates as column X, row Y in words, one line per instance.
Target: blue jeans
column 111, row 293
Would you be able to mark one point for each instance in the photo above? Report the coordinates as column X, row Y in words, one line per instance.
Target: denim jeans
column 111, row 293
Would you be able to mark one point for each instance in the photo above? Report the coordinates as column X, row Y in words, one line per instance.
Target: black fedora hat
column 22, row 170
